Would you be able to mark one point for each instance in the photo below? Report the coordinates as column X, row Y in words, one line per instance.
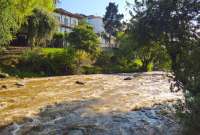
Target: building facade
column 67, row 21
column 97, row 23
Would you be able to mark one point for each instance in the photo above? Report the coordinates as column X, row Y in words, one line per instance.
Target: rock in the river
column 128, row 78
column 19, row 84
column 90, row 105
column 4, row 87
column 80, row 83
column 3, row 75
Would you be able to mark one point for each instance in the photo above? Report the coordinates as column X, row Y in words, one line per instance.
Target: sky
column 93, row 7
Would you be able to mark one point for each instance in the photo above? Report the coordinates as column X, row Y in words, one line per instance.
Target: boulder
column 80, row 83
column 18, row 84
column 4, row 87
column 3, row 75
column 128, row 78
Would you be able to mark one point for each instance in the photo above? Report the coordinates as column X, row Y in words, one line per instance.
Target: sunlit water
column 104, row 105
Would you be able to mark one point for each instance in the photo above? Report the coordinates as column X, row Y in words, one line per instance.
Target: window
column 66, row 22
column 74, row 22
column 59, row 18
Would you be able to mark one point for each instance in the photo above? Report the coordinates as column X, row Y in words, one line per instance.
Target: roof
column 93, row 17
column 64, row 12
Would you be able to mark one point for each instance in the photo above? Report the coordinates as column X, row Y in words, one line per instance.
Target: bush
column 83, row 59
column 91, row 70
column 34, row 61
column 137, row 63
column 150, row 67
column 105, row 58
column 59, row 40
column 83, row 38
column 113, row 62
column 60, row 62
column 63, row 62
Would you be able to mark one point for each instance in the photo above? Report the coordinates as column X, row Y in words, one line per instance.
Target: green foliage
column 7, row 28
column 150, row 67
column 48, row 51
column 64, row 62
column 82, row 59
column 56, row 61
column 190, row 77
column 190, row 119
column 138, row 63
column 91, row 69
column 114, row 62
column 13, row 13
column 40, row 26
column 59, row 40
column 175, row 24
column 105, row 58
column 33, row 61
column 152, row 54
column 129, row 66
column 83, row 38
column 48, row 62
column 127, row 47
column 112, row 20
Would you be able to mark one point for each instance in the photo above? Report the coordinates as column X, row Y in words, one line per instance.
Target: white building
column 97, row 23
column 67, row 20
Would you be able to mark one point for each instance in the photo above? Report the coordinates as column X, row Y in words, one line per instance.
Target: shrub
column 59, row 40
column 105, row 58
column 34, row 61
column 150, row 67
column 60, row 62
column 137, row 63
column 82, row 59
column 83, row 38
column 91, row 69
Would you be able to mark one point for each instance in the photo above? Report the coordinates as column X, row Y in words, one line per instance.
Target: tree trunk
column 109, row 40
column 145, row 66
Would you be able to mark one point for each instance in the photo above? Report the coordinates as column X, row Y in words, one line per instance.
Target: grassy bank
column 42, row 62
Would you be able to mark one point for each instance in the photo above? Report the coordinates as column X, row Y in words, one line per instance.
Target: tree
column 174, row 23
column 8, row 23
column 13, row 14
column 40, row 26
column 154, row 54
column 83, row 38
column 112, row 20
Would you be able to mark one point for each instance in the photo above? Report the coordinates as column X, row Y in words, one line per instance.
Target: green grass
column 47, row 51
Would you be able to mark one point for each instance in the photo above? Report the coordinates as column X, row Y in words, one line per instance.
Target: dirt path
column 102, row 105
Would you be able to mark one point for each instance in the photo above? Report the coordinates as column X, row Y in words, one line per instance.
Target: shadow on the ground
column 80, row 118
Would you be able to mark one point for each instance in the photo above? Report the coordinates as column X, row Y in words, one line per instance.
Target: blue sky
column 92, row 7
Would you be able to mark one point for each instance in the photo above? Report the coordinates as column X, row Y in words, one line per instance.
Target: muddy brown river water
column 89, row 105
